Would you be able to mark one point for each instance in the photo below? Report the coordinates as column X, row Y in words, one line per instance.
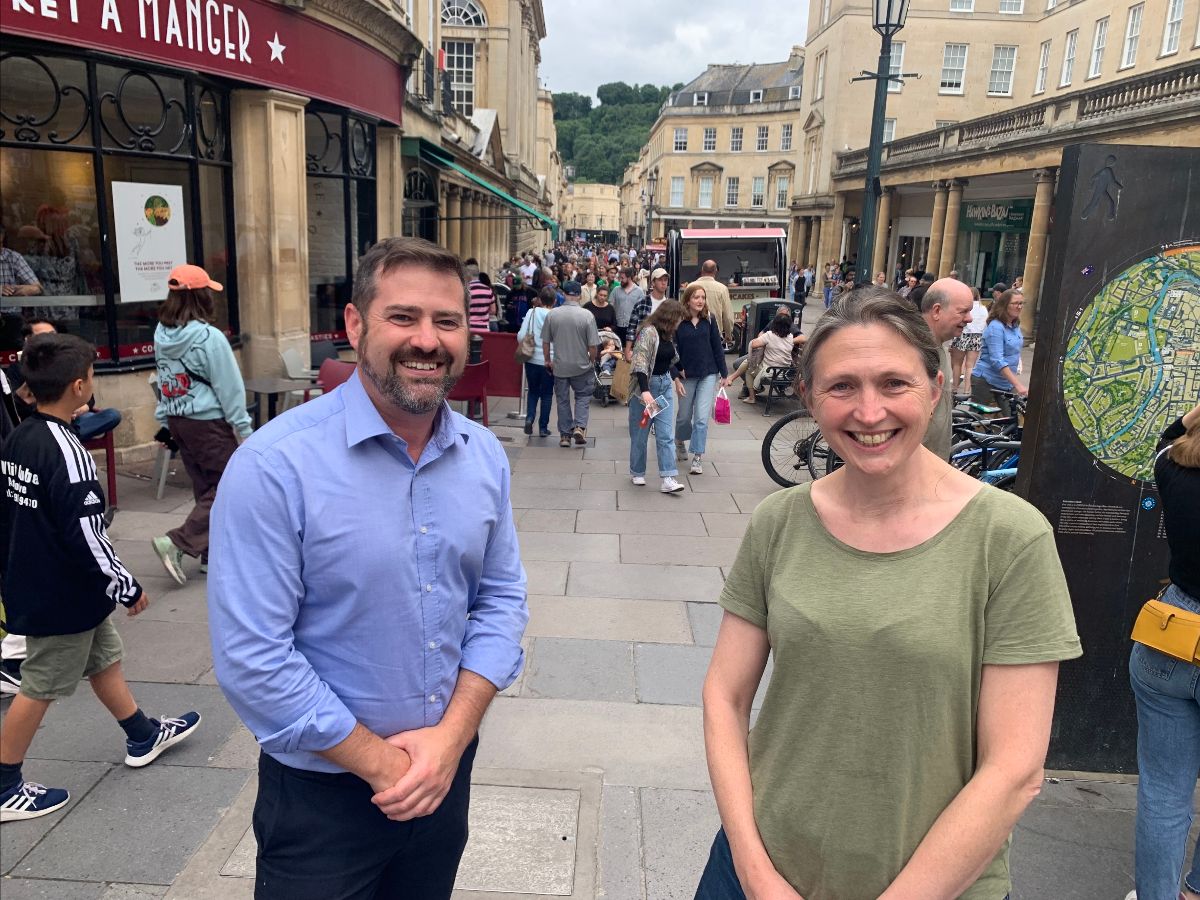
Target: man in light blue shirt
column 367, row 599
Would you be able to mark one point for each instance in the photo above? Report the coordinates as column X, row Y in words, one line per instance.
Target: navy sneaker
column 170, row 733
column 28, row 801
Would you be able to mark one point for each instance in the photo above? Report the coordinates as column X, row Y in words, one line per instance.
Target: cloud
column 589, row 43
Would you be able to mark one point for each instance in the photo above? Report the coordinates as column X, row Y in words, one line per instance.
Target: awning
column 433, row 155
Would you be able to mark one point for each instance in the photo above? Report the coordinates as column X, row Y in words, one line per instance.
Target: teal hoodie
column 198, row 376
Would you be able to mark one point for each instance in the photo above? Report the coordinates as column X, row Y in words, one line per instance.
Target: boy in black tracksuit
column 61, row 578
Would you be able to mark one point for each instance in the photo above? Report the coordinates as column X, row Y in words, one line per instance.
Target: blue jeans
column 664, row 429
column 828, row 296
column 541, row 390
column 720, row 881
column 92, row 425
column 695, row 409
column 1167, row 692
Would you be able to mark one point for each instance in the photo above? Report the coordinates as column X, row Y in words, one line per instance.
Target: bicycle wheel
column 820, row 456
column 785, row 449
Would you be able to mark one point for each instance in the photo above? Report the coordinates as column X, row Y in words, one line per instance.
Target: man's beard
column 415, row 399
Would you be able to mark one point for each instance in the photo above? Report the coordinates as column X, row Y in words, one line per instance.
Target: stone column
column 831, row 236
column 454, row 207
column 270, row 194
column 812, row 251
column 1035, row 258
column 950, row 233
column 443, row 225
column 879, row 253
column 937, row 227
column 798, row 240
column 389, row 183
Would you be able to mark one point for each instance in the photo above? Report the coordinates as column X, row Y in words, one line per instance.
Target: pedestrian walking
column 645, row 307
column 965, row 349
column 570, row 348
column 994, row 377
column 624, row 297
column 898, row 743
column 202, row 402
column 701, row 361
column 1167, row 690
column 62, row 579
column 946, row 308
column 719, row 305
column 368, row 599
column 538, row 379
column 654, row 384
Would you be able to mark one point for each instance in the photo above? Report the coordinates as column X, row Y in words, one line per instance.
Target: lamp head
column 889, row 16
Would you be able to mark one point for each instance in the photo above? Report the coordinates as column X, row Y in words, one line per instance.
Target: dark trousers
column 541, row 391
column 205, row 447
column 320, row 838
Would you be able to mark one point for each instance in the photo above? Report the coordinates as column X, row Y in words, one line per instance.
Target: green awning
column 432, row 155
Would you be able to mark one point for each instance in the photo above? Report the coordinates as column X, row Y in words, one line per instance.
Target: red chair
column 105, row 443
column 332, row 373
column 473, row 386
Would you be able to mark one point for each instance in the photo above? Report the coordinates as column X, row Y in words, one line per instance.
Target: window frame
column 1177, row 24
column 794, row 91
column 1011, row 71
column 962, row 6
column 962, row 71
column 785, row 137
column 736, row 136
column 1012, row 12
column 676, row 197
column 756, row 95
column 758, row 189
column 733, row 185
column 696, row 101
column 705, row 180
column 1043, row 70
column 463, row 106
column 1070, row 50
column 707, row 145
column 458, row 13
column 676, row 141
column 889, row 124
column 1133, row 36
column 819, row 76
column 783, row 185
column 895, row 67
column 1099, row 45
column 762, row 139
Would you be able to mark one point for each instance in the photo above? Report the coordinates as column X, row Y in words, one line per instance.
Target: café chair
column 473, row 387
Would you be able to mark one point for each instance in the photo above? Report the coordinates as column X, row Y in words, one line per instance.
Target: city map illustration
column 1132, row 363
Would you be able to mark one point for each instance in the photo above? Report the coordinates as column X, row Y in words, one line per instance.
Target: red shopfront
column 97, row 96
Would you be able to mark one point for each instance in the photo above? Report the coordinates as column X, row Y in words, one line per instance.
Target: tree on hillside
column 600, row 141
column 571, row 106
column 617, row 93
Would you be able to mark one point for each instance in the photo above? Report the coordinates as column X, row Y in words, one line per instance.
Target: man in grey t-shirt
column 624, row 298
column 570, row 334
column 946, row 307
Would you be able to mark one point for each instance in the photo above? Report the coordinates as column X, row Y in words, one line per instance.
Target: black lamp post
column 889, row 18
column 652, row 186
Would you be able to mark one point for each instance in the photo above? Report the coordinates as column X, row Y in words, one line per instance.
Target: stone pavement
column 590, row 779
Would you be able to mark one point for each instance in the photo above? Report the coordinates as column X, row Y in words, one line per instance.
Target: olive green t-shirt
column 867, row 730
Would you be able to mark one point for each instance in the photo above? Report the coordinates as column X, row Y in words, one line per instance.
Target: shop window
column 80, row 138
column 339, row 151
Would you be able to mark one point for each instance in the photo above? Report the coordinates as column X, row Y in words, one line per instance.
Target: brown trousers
column 205, row 447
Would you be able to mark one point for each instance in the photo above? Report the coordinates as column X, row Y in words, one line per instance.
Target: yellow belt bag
column 1170, row 630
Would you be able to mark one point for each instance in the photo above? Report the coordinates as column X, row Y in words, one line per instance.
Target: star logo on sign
column 276, row 48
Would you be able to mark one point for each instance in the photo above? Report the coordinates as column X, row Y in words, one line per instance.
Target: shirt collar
column 363, row 420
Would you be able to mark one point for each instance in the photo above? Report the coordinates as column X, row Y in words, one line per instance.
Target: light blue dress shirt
column 1001, row 347
column 348, row 584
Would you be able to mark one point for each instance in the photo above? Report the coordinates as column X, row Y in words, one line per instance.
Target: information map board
column 1117, row 360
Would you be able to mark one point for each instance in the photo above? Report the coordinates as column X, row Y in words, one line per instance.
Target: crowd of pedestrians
column 367, row 714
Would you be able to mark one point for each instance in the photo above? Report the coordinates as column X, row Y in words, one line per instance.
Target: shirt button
column 433, row 645
column 433, row 698
column 428, row 588
column 424, row 529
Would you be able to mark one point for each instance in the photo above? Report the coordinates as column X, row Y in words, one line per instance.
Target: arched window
column 463, row 12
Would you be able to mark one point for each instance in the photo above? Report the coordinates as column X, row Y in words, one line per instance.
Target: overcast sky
column 662, row 42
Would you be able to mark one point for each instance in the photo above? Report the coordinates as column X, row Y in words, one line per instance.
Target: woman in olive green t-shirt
column 916, row 618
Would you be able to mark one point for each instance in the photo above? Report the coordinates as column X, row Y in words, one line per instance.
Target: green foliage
column 600, row 141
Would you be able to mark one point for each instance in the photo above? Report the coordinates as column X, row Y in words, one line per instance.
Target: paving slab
column 1072, row 853
column 514, row 689
column 619, row 482
column 78, row 778
column 566, row 481
column 568, row 465
column 747, row 501
column 133, row 892
column 569, row 546
column 620, row 875
column 171, row 603
column 725, row 524
column 705, row 619
column 201, row 878
column 150, row 841
column 678, row 828
column 672, row 674
column 79, row 728
column 545, row 520
column 163, row 651
column 713, row 483
column 608, row 619
column 144, row 526
column 51, row 889
column 742, row 468
column 546, row 576
column 651, row 498
column 240, row 751
column 571, row 669
column 637, row 522
column 538, row 498
column 645, row 582
column 712, row 551
column 637, row 744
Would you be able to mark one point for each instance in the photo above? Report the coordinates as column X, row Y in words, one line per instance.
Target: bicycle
column 787, row 446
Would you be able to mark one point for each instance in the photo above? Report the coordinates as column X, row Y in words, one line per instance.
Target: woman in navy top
column 995, row 375
column 701, row 360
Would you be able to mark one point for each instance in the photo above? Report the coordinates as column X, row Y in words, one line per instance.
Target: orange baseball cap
column 188, row 278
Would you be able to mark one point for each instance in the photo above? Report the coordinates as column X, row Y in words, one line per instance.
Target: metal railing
column 423, row 84
column 1179, row 84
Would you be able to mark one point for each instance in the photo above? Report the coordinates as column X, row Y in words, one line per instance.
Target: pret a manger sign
column 250, row 40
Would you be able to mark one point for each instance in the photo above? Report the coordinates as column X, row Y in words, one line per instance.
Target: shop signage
column 151, row 240
column 255, row 41
column 997, row 215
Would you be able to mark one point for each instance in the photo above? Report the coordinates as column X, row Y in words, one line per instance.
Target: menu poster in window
column 150, row 238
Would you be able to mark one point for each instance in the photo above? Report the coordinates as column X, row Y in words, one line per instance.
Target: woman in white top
column 538, row 380
column 965, row 349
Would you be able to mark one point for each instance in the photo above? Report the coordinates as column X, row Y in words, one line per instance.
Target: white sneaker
column 639, row 480
column 697, row 466
column 671, row 486
column 1132, row 895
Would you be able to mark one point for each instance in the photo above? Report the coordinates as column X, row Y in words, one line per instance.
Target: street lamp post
column 652, row 185
column 889, row 18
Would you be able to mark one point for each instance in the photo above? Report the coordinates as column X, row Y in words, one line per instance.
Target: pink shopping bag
column 721, row 407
